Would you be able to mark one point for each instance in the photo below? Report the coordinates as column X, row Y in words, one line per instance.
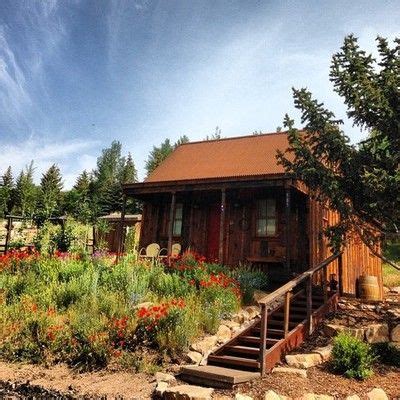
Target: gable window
column 266, row 217
column 177, row 228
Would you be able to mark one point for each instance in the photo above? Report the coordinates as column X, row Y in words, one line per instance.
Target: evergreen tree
column 361, row 182
column 50, row 193
column 26, row 192
column 128, row 172
column 7, row 193
column 159, row 154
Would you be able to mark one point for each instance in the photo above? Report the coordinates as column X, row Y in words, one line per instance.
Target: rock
column 271, row 395
column 240, row 396
column 395, row 334
column 194, row 357
column 258, row 294
column 312, row 396
column 188, row 392
column 241, row 317
column 333, row 330
column 222, row 397
column 204, row 345
column 293, row 371
column 377, row 333
column 223, row 334
column 162, row 377
column 325, row 352
column 395, row 290
column 377, row 394
column 396, row 345
column 230, row 324
column 160, row 389
column 353, row 397
column 204, row 359
column 303, row 360
column 253, row 311
column 370, row 307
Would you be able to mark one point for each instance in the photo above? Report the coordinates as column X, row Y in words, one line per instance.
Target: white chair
column 152, row 251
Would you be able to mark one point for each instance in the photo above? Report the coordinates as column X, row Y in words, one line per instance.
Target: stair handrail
column 297, row 280
column 286, row 290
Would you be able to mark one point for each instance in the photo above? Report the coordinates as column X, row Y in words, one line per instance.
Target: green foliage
column 7, row 193
column 361, row 182
column 352, row 357
column 159, row 154
column 250, row 281
column 50, row 194
column 387, row 354
column 26, row 193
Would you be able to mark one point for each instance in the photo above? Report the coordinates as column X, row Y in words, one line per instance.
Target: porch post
column 171, row 222
column 121, row 227
column 287, row 227
column 222, row 226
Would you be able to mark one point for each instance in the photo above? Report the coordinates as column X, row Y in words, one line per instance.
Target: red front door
column 214, row 215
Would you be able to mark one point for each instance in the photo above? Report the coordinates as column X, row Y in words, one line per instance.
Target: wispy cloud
column 71, row 156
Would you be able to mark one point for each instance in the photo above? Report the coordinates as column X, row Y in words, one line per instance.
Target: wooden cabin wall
column 357, row 259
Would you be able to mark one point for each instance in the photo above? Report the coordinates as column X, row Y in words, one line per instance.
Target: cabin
column 229, row 200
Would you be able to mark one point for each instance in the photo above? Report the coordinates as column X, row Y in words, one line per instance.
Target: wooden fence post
column 309, row 304
column 263, row 338
column 288, row 295
column 8, row 236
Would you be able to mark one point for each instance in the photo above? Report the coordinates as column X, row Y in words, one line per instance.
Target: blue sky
column 75, row 75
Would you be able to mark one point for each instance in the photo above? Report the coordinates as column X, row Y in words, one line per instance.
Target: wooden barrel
column 369, row 287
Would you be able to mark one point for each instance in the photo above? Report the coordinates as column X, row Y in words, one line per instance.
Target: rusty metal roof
column 231, row 157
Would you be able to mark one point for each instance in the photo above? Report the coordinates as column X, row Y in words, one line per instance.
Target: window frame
column 176, row 220
column 262, row 214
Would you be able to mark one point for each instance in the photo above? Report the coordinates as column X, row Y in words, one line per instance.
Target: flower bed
column 89, row 311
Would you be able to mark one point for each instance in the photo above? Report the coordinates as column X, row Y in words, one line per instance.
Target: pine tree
column 7, row 193
column 159, row 154
column 128, row 171
column 361, row 182
column 50, row 193
column 26, row 192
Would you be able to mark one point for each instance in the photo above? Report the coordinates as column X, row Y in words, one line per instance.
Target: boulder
column 223, row 334
column 188, row 392
column 160, row 389
column 333, row 330
column 240, row 396
column 222, row 397
column 395, row 290
column 395, row 334
column 353, row 397
column 162, row 377
column 230, row 324
column 292, row 371
column 253, row 311
column 303, row 360
column 325, row 352
column 377, row 333
column 204, row 345
column 377, row 394
column 194, row 357
column 312, row 396
column 241, row 317
column 271, row 395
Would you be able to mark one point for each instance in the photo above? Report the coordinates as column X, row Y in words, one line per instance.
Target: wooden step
column 214, row 376
column 243, row 349
column 231, row 360
column 256, row 340
column 271, row 332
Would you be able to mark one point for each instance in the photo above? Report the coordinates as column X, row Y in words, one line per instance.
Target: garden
column 92, row 311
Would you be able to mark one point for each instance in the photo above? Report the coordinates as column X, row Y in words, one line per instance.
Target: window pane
column 178, row 211
column 261, row 227
column 271, row 207
column 262, row 208
column 271, row 227
column 177, row 228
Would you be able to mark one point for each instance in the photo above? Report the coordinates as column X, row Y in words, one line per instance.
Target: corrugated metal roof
column 232, row 157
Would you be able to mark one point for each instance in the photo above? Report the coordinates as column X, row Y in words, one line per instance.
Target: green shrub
column 387, row 353
column 352, row 357
column 250, row 281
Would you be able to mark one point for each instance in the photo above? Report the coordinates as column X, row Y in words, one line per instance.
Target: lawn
column 391, row 276
column 89, row 311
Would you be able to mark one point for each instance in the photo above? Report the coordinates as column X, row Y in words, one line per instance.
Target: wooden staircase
column 288, row 316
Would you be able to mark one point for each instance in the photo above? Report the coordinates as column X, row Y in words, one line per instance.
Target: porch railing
column 287, row 293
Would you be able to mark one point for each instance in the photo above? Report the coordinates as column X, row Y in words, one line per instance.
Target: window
column 177, row 228
column 266, row 217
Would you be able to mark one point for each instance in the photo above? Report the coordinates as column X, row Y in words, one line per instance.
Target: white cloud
column 71, row 156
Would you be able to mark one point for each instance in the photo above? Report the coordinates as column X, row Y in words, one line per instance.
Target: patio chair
column 152, row 251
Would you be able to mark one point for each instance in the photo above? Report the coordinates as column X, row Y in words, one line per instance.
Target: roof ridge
column 234, row 138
